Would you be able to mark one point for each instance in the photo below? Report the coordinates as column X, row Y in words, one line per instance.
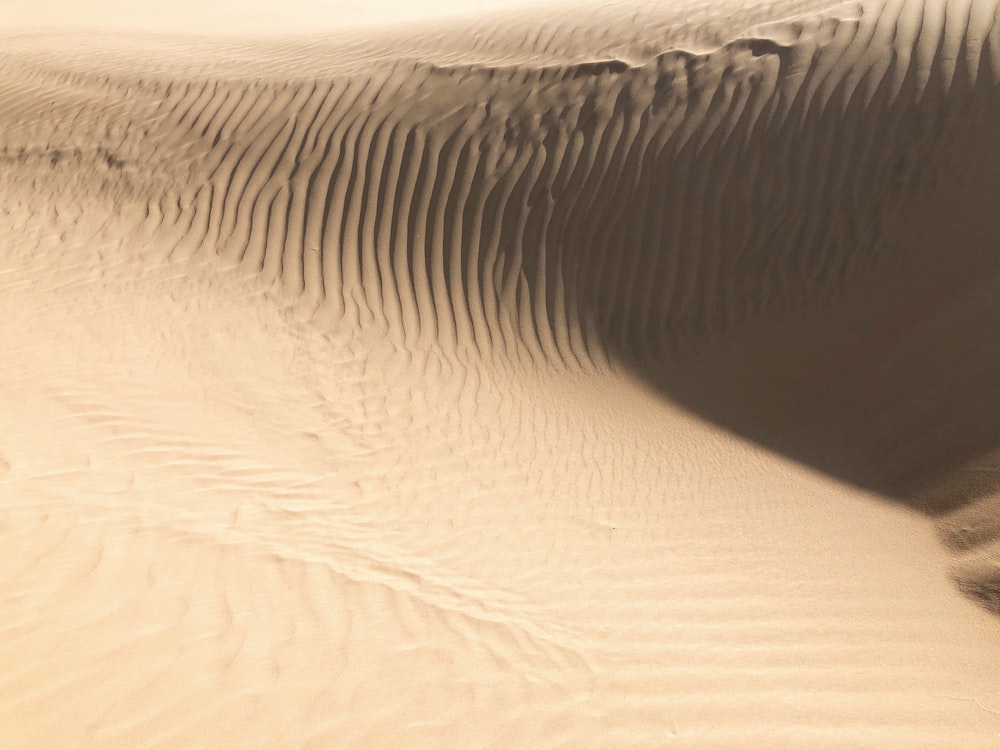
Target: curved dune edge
column 368, row 407
column 607, row 29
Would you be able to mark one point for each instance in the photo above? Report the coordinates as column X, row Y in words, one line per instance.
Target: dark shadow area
column 900, row 410
column 892, row 381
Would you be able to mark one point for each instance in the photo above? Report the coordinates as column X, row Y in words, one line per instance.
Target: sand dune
column 541, row 379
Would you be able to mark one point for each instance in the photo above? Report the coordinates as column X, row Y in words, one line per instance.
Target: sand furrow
column 291, row 255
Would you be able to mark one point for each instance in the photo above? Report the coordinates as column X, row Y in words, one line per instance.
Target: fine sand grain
column 558, row 376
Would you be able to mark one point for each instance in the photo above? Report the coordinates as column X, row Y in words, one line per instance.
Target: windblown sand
column 559, row 377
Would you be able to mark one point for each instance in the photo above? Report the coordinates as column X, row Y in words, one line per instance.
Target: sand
column 554, row 376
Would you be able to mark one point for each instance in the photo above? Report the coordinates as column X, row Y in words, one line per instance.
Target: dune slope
column 507, row 383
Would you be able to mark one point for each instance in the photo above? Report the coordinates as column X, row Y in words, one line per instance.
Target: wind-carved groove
column 457, row 257
column 557, row 305
column 314, row 198
column 443, row 150
column 276, row 189
column 402, row 231
column 332, row 243
column 353, row 251
column 235, row 177
column 289, row 255
column 381, row 167
column 386, row 163
column 468, row 238
column 329, row 215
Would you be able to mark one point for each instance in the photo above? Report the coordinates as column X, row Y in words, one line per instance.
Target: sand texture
column 566, row 376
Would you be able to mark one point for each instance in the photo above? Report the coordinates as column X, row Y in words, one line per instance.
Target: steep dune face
column 622, row 205
column 373, row 389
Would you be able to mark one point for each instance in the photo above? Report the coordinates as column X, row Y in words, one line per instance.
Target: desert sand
column 461, row 376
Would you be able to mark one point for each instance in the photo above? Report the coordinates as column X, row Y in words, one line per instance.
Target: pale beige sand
column 543, row 379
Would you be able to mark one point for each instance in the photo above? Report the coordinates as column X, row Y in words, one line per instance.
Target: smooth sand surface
column 599, row 376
